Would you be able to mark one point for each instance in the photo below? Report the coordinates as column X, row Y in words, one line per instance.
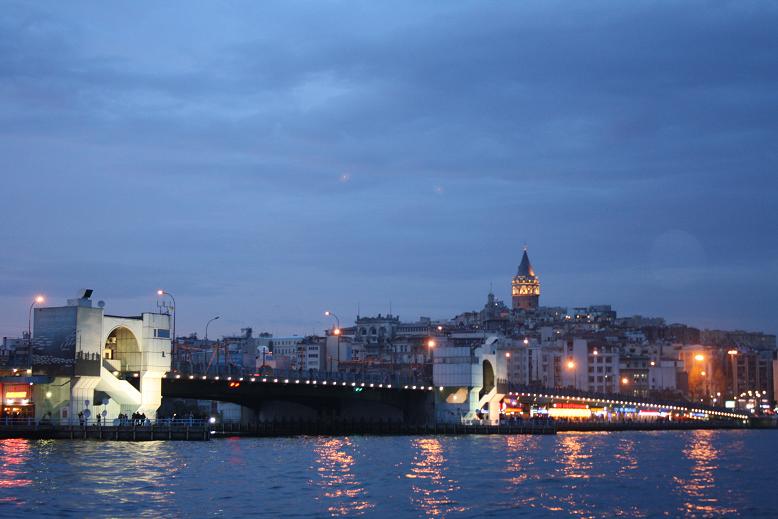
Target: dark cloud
column 268, row 160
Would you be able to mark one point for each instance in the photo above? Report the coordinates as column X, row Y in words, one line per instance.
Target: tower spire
column 525, row 287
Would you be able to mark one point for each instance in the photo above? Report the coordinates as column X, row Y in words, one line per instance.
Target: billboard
column 65, row 335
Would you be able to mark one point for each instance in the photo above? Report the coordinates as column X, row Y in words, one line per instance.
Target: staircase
column 119, row 390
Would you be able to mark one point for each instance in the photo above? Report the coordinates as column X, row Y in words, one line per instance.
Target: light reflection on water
column 631, row 474
column 699, row 489
column 344, row 493
column 575, row 453
column 626, row 455
column 13, row 455
column 432, row 491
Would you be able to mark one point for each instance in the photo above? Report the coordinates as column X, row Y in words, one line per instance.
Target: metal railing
column 93, row 422
column 386, row 379
column 590, row 395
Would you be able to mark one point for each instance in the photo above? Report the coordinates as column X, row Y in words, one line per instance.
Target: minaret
column 525, row 286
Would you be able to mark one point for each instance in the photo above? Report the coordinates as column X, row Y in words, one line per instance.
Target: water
column 640, row 474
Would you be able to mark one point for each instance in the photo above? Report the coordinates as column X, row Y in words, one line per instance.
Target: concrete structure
column 86, row 355
column 469, row 382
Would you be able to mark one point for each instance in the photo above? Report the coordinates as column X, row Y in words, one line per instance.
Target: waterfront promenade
column 201, row 430
column 186, row 430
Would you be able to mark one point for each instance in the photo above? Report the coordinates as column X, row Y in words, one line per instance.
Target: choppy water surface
column 693, row 473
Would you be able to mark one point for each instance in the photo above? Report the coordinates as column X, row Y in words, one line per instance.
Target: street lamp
column 699, row 357
column 431, row 346
column 161, row 293
column 208, row 324
column 39, row 299
column 733, row 356
column 337, row 333
column 571, row 367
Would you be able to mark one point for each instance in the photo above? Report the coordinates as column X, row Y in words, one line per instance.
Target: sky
column 266, row 161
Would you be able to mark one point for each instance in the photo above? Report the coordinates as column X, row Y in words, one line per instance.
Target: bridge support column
column 494, row 408
column 82, row 390
column 150, row 392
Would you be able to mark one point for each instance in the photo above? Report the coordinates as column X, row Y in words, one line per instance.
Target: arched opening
column 488, row 379
column 122, row 350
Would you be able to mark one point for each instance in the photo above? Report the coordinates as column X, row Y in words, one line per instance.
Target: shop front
column 17, row 400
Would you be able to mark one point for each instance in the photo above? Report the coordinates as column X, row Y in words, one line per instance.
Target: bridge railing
column 90, row 422
column 393, row 379
column 593, row 396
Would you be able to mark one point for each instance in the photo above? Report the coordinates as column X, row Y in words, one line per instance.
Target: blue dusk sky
column 265, row 161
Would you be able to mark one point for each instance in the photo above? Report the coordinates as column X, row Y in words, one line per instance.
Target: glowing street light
column 508, row 354
column 570, row 364
column 39, row 299
column 336, row 332
column 699, row 357
column 208, row 324
column 431, row 343
column 625, row 381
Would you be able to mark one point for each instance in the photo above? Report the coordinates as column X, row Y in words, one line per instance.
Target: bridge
column 294, row 395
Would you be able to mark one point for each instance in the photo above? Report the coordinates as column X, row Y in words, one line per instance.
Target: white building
column 468, row 381
column 87, row 356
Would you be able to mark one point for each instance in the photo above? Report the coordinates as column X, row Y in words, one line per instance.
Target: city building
column 525, row 288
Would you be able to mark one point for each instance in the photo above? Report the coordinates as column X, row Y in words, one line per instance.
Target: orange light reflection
column 432, row 489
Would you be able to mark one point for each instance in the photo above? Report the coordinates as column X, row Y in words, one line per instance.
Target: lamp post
column 431, row 346
column 702, row 386
column 571, row 366
column 38, row 300
column 208, row 324
column 336, row 331
column 161, row 293
column 733, row 368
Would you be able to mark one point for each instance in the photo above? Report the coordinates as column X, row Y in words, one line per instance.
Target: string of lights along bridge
column 551, row 396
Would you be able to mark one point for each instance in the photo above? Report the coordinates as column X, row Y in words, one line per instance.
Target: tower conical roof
column 525, row 267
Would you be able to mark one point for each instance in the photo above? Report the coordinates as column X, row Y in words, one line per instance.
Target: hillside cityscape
column 590, row 349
